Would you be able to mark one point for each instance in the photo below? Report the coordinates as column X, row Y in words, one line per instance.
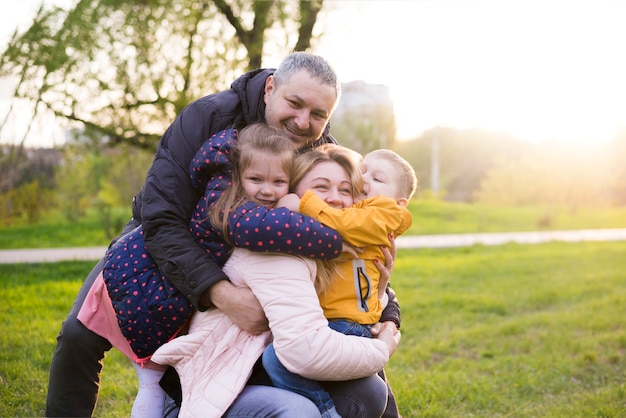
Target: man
column 299, row 97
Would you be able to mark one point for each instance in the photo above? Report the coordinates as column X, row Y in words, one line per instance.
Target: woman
column 284, row 286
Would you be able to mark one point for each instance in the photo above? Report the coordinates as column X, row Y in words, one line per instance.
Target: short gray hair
column 313, row 64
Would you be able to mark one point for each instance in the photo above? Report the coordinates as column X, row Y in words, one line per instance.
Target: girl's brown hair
column 254, row 141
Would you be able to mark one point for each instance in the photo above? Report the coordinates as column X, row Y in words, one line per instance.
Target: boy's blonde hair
column 407, row 181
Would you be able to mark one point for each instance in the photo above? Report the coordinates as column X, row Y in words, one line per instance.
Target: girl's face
column 329, row 181
column 265, row 181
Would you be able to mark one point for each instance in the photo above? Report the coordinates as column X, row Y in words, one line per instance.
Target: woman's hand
column 388, row 333
column 241, row 306
column 386, row 268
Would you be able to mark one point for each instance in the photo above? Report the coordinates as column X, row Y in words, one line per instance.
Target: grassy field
column 507, row 331
column 429, row 217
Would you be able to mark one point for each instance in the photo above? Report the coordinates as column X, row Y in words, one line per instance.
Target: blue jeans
column 359, row 398
column 311, row 389
column 260, row 401
column 350, row 328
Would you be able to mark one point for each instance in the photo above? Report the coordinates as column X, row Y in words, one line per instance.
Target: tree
column 465, row 156
column 572, row 176
column 124, row 69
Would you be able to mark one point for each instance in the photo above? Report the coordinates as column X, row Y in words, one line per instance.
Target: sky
column 538, row 69
column 541, row 70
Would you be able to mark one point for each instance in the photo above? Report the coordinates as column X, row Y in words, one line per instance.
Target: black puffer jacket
column 165, row 202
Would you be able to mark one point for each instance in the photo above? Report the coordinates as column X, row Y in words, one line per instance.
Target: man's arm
column 168, row 199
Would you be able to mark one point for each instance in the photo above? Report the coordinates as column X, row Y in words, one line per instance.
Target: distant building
column 356, row 94
column 364, row 119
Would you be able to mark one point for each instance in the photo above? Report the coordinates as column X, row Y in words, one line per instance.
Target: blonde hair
column 254, row 141
column 328, row 270
column 407, row 180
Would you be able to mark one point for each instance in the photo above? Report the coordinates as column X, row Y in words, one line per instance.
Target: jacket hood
column 250, row 88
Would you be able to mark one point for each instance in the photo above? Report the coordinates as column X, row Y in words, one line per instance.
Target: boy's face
column 381, row 178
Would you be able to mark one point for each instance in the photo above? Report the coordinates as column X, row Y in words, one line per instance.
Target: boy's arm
column 368, row 222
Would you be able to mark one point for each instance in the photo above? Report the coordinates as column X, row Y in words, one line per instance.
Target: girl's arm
column 253, row 226
column 257, row 228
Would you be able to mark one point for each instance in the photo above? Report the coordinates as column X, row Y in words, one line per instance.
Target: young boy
column 357, row 298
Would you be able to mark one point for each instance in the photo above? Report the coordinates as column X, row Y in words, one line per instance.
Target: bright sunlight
column 541, row 70
column 537, row 69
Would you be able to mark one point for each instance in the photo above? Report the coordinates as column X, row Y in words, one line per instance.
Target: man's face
column 301, row 107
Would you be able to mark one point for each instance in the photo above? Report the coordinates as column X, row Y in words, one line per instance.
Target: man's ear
column 403, row 202
column 269, row 87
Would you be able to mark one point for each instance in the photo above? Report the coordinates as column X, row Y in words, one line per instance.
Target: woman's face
column 330, row 182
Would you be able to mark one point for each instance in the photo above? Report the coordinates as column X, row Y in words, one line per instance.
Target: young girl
column 146, row 309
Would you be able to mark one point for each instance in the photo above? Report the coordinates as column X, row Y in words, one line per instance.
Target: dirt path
column 422, row 241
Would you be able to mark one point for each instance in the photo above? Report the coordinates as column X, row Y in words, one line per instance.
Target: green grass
column 505, row 331
column 512, row 331
column 35, row 300
column 429, row 217
column 56, row 231
column 438, row 217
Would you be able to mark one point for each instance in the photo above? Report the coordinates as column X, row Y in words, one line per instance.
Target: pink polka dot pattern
column 150, row 310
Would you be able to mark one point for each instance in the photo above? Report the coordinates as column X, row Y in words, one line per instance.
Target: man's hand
column 241, row 306
column 388, row 333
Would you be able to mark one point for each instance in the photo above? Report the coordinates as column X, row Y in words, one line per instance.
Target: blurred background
column 515, row 103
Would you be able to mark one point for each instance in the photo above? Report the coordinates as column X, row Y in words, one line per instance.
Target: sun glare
column 540, row 70
column 551, row 70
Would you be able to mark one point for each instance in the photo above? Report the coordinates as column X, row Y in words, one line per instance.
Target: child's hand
column 291, row 201
column 350, row 250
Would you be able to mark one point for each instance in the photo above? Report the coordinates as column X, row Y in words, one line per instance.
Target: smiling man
column 299, row 98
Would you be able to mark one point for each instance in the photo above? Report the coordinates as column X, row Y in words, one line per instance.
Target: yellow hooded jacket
column 366, row 224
